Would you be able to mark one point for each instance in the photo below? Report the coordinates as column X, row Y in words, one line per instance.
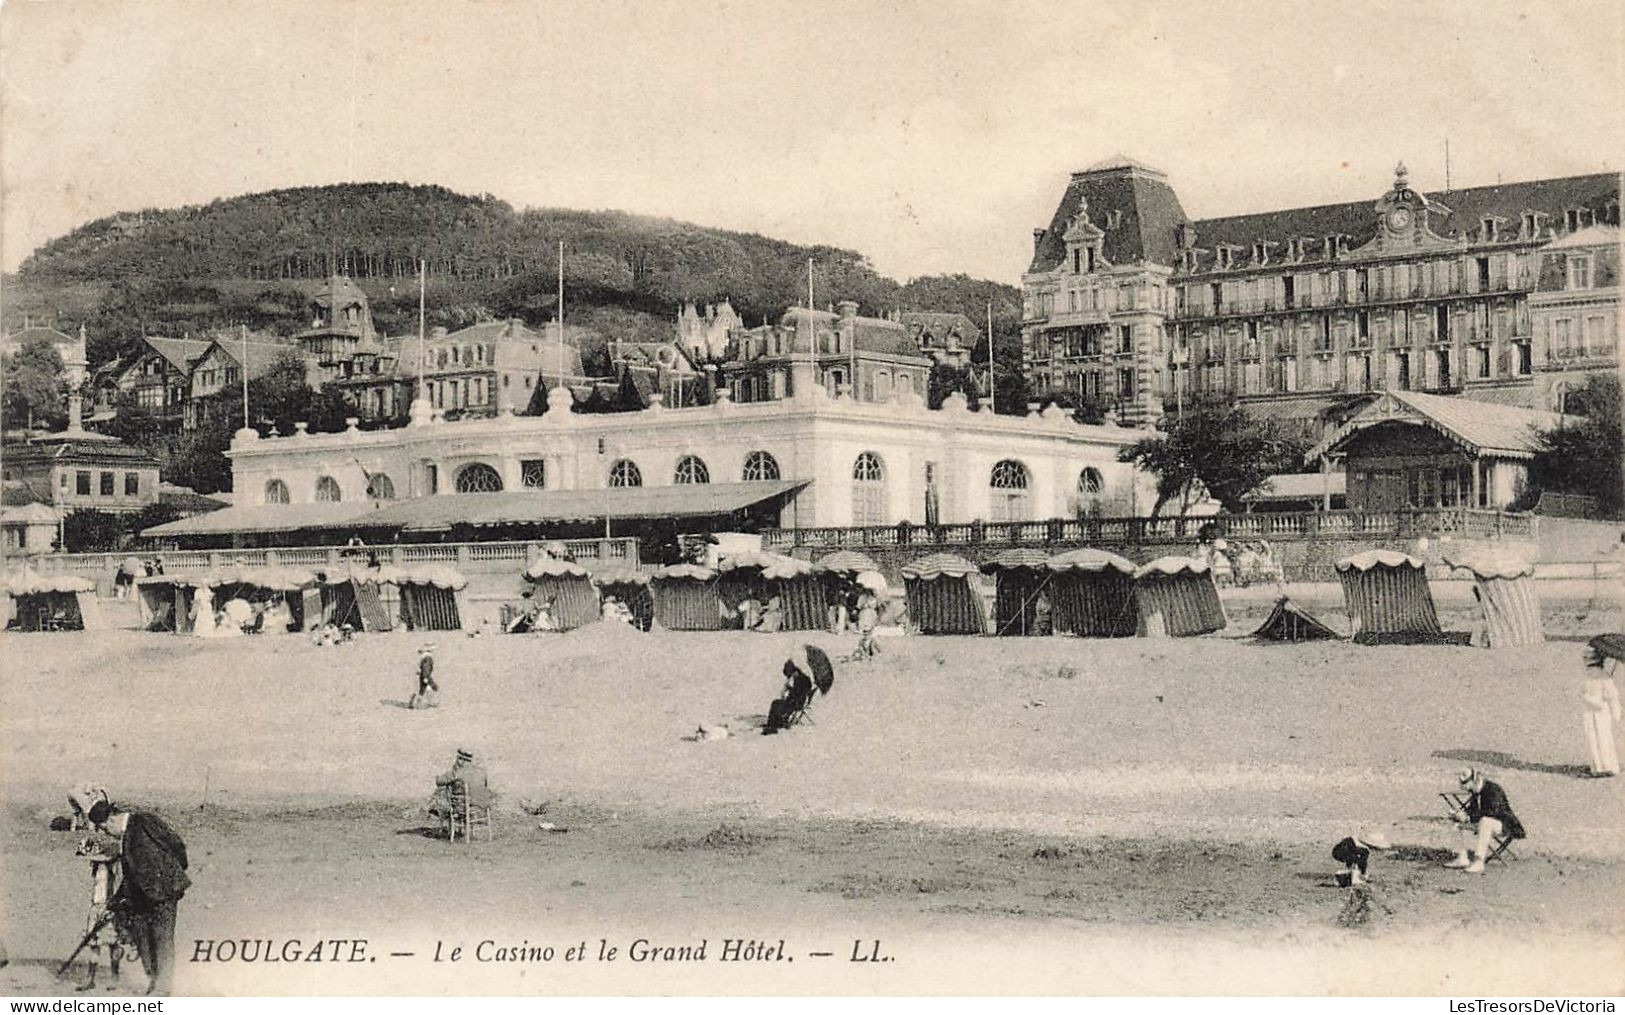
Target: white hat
column 1373, row 839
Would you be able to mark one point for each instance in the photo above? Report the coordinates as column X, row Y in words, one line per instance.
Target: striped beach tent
column 1021, row 578
column 941, row 597
column 568, row 587
column 1504, row 584
column 768, row 575
column 1175, row 597
column 1093, row 594
column 685, row 598
column 431, row 596
column 1388, row 598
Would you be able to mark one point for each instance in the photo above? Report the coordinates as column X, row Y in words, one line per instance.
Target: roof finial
column 1400, row 174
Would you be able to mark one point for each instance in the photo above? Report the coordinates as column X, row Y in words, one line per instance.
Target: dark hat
column 463, row 755
column 99, row 812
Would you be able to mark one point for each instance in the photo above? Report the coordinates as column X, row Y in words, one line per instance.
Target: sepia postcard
column 811, row 498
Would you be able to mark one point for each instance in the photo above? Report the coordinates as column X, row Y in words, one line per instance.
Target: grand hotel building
column 1299, row 313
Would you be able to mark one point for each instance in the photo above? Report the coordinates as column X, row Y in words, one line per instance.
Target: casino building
column 1306, row 314
column 806, row 451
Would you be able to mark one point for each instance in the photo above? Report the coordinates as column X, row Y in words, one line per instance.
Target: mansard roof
column 1461, row 216
column 1149, row 209
column 1151, row 215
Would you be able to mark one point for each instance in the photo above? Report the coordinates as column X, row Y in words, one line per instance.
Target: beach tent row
column 1090, row 593
column 1389, row 600
column 428, row 596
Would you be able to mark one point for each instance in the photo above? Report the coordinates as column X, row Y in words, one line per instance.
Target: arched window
column 690, row 470
column 327, row 489
column 1009, row 482
column 759, row 466
column 276, row 492
column 1009, row 475
column 625, row 473
column 380, row 487
column 867, row 469
column 1091, row 482
column 868, row 490
column 477, row 477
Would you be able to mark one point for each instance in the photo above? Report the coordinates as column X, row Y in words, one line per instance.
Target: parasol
column 874, row 581
column 823, row 672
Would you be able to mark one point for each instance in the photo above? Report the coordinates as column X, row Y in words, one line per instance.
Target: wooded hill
column 253, row 260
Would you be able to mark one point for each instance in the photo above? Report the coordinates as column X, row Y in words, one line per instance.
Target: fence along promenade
column 1458, row 523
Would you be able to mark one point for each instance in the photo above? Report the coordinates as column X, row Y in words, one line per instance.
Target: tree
column 35, row 392
column 135, row 424
column 1084, row 410
column 278, row 399
column 87, row 530
column 1220, row 448
column 1585, row 457
column 944, row 380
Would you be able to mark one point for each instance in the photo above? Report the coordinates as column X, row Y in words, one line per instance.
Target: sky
column 932, row 137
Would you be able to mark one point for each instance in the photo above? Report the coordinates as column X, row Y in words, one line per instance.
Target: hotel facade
column 1304, row 314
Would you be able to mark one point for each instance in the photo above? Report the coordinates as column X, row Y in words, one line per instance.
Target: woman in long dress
column 1602, row 710
column 203, row 612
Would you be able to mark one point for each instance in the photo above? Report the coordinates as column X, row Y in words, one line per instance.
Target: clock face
column 1399, row 218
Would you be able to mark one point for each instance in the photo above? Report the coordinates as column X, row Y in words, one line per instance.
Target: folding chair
column 467, row 814
column 1500, row 845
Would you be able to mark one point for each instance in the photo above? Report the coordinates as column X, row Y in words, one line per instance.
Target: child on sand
column 428, row 692
column 1354, row 853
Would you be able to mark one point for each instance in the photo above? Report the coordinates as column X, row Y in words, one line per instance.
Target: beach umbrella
column 823, row 672
column 874, row 581
column 846, row 562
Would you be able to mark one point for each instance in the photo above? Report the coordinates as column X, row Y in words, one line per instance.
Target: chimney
column 76, row 414
column 847, row 309
column 1038, row 237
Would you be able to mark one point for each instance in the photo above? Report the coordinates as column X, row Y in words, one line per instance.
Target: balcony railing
column 1468, row 523
column 1375, row 295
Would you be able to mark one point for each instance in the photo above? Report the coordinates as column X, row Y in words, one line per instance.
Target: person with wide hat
column 1602, row 710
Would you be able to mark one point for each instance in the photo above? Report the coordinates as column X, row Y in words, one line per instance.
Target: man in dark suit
column 1486, row 816
column 153, row 862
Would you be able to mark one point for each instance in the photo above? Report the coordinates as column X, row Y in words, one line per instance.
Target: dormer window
column 1332, row 244
column 1486, row 230
column 1260, row 252
column 1114, row 218
column 1089, row 255
column 1579, row 218
column 1294, row 249
column 1189, row 257
column 1531, row 224
column 1224, row 258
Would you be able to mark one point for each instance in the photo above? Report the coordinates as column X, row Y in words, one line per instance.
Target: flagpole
column 244, row 333
column 992, row 392
column 561, row 314
column 812, row 331
column 423, row 282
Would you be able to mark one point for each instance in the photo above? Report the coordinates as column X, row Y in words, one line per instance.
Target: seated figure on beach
column 474, row 780
column 1486, row 816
